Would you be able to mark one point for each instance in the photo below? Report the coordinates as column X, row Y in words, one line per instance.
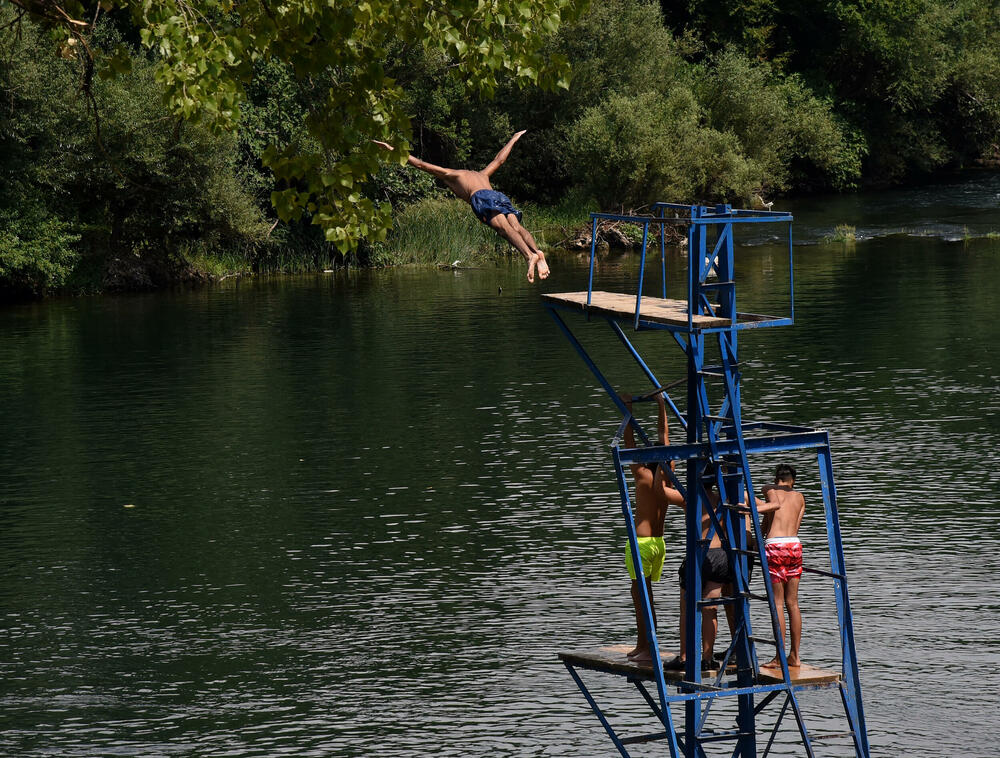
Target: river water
column 359, row 514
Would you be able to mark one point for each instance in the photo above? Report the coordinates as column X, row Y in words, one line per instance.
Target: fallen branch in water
column 620, row 234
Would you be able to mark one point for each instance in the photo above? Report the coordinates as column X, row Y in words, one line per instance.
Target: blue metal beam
column 772, row 444
column 597, row 711
column 597, row 373
column 645, row 369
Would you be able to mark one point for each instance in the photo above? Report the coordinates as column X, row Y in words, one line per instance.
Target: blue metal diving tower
column 718, row 448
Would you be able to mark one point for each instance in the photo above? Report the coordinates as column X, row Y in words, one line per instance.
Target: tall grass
column 428, row 232
column 437, row 231
column 445, row 230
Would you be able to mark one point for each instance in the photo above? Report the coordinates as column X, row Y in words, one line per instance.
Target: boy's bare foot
column 644, row 656
column 633, row 652
column 543, row 267
column 532, row 264
column 774, row 663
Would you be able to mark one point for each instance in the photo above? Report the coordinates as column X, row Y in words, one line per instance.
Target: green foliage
column 785, row 136
column 37, row 252
column 617, row 46
column 133, row 184
column 632, row 151
column 168, row 182
column 207, row 53
column 917, row 80
column 714, row 102
column 792, row 135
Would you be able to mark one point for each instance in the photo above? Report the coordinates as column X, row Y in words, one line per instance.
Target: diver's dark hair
column 783, row 472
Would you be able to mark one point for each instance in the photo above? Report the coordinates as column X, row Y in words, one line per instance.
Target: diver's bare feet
column 543, row 267
column 633, row 652
column 794, row 662
column 774, row 663
column 532, row 263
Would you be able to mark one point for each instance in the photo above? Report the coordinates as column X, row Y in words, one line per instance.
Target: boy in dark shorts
column 491, row 207
column 715, row 574
column 650, row 509
column 782, row 512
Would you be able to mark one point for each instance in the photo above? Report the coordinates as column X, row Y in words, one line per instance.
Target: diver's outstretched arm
column 498, row 161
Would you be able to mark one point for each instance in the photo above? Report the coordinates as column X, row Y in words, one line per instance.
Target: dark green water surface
column 369, row 509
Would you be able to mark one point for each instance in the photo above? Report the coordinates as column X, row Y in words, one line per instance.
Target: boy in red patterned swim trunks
column 782, row 512
column 491, row 207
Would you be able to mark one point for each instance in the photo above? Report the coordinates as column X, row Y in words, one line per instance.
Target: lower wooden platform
column 613, row 660
column 652, row 309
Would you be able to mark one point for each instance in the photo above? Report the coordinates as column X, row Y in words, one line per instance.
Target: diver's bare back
column 465, row 183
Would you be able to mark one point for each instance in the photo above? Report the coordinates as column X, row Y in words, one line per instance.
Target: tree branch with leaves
column 207, row 50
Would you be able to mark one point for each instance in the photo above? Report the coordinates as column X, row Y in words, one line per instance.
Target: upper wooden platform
column 613, row 661
column 653, row 309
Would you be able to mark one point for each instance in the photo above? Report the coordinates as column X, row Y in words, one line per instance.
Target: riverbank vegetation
column 103, row 186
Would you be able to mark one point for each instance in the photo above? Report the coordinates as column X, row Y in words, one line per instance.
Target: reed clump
column 844, row 233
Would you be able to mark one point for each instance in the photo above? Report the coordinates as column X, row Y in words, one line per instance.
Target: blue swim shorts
column 488, row 203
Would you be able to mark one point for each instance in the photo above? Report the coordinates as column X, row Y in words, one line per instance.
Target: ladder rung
column 699, row 686
column 722, row 600
column 644, row 738
column 764, row 640
column 830, row 736
column 728, row 463
column 719, row 418
column 758, row 597
column 824, row 573
column 737, row 508
column 735, row 734
column 715, row 285
column 750, row 553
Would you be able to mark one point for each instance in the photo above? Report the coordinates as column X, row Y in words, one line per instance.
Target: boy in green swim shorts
column 650, row 509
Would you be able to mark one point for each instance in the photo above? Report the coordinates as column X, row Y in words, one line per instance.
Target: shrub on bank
column 37, row 252
column 630, row 151
column 120, row 195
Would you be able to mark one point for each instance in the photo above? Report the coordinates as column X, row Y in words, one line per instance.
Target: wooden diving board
column 656, row 310
column 612, row 660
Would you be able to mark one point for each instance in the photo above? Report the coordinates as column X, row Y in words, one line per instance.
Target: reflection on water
column 370, row 509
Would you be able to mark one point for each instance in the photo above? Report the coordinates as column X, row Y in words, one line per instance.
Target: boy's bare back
column 787, row 518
